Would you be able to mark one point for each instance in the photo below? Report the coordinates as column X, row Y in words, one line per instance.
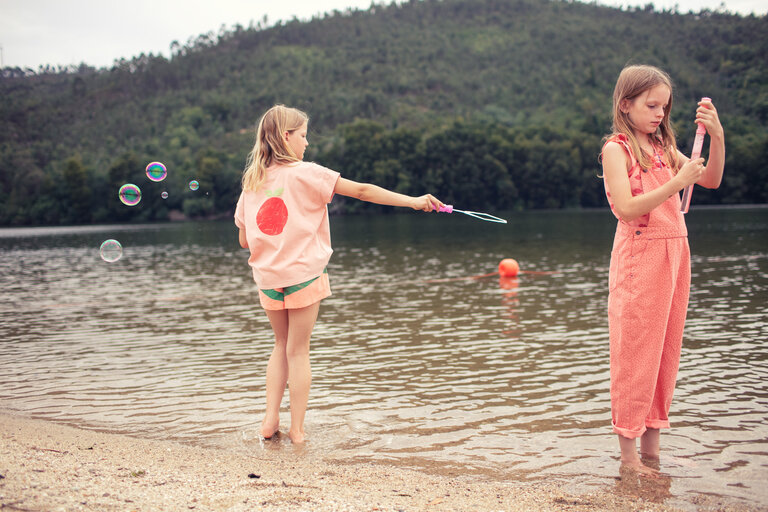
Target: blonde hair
column 632, row 82
column 270, row 147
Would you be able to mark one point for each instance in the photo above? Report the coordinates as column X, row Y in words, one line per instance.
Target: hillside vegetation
column 490, row 104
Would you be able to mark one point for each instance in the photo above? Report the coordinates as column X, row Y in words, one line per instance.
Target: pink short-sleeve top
column 286, row 224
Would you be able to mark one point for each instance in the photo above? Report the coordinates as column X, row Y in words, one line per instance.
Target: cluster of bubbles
column 130, row 195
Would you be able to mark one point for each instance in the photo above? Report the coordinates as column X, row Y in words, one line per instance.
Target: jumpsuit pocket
column 625, row 258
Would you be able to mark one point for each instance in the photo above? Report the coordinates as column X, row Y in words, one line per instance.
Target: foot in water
column 638, row 467
column 297, row 437
column 269, row 431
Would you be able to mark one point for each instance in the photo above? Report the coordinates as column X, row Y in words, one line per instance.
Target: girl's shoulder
column 617, row 139
column 311, row 175
column 299, row 166
column 289, row 171
column 618, row 149
column 310, row 170
column 618, row 142
column 309, row 165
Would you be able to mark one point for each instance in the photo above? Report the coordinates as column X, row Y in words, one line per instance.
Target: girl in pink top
column 283, row 220
column 650, row 274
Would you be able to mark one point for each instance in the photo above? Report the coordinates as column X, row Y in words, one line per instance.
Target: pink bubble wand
column 698, row 142
column 478, row 215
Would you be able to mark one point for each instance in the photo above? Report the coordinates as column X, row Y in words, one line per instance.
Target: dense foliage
column 490, row 104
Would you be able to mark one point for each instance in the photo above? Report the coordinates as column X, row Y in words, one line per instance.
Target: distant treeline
column 491, row 104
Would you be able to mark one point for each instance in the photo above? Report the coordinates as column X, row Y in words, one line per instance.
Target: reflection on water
column 497, row 378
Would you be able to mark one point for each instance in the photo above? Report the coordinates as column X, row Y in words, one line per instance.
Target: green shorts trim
column 297, row 295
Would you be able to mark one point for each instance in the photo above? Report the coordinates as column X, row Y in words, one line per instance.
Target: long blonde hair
column 632, row 82
column 270, row 147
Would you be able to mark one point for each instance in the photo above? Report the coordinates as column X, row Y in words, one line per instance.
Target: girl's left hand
column 706, row 114
column 427, row 203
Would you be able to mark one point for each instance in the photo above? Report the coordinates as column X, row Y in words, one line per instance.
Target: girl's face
column 647, row 110
column 297, row 141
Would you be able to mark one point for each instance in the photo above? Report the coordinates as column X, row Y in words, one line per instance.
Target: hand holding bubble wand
column 698, row 142
column 478, row 215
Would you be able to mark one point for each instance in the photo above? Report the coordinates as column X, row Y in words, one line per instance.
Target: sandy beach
column 47, row 466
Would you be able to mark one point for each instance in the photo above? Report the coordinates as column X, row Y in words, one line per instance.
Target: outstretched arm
column 375, row 194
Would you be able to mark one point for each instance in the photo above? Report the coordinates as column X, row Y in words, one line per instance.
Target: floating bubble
column 111, row 250
column 156, row 171
column 164, row 195
column 130, row 194
column 194, row 185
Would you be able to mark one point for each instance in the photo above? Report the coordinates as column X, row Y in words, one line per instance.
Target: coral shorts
column 296, row 296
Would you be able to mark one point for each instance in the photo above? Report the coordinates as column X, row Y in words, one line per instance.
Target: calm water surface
column 482, row 377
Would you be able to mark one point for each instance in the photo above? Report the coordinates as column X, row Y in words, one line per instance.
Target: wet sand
column 47, row 466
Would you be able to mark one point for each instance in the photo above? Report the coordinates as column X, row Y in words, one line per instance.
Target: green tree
column 77, row 200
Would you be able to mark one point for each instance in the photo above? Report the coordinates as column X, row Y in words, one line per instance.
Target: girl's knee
column 297, row 347
column 295, row 351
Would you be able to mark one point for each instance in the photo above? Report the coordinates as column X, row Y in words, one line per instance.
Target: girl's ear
column 624, row 105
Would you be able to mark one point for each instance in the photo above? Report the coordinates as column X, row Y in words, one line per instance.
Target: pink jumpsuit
column 649, row 281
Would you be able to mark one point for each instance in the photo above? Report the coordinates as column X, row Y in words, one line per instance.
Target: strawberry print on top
column 273, row 214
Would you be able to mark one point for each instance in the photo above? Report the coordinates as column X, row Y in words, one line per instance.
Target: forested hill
column 491, row 104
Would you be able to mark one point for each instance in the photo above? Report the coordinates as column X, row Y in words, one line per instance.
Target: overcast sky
column 98, row 32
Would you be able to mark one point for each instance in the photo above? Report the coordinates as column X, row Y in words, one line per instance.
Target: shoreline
column 49, row 466
column 40, row 229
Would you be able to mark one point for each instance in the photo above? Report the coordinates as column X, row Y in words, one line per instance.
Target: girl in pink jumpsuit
column 650, row 272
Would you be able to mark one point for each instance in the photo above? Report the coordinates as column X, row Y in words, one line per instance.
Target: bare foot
column 639, row 468
column 296, row 437
column 269, row 430
column 652, row 461
column 640, row 481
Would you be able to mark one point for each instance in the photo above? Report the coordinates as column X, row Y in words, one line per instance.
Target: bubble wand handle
column 698, row 142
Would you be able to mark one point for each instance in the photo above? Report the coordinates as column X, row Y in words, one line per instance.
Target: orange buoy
column 508, row 267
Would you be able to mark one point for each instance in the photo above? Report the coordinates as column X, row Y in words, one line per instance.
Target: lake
column 414, row 362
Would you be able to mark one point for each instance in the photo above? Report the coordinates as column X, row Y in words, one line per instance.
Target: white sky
column 98, row 32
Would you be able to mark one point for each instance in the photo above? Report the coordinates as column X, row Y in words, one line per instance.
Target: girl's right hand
column 690, row 173
column 426, row 203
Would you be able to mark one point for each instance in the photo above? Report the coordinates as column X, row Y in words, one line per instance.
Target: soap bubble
column 164, row 195
column 111, row 250
column 194, row 185
column 130, row 194
column 156, row 171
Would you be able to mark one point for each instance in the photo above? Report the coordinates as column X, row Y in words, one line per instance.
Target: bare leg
column 650, row 443
column 300, row 325
column 277, row 373
column 630, row 458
